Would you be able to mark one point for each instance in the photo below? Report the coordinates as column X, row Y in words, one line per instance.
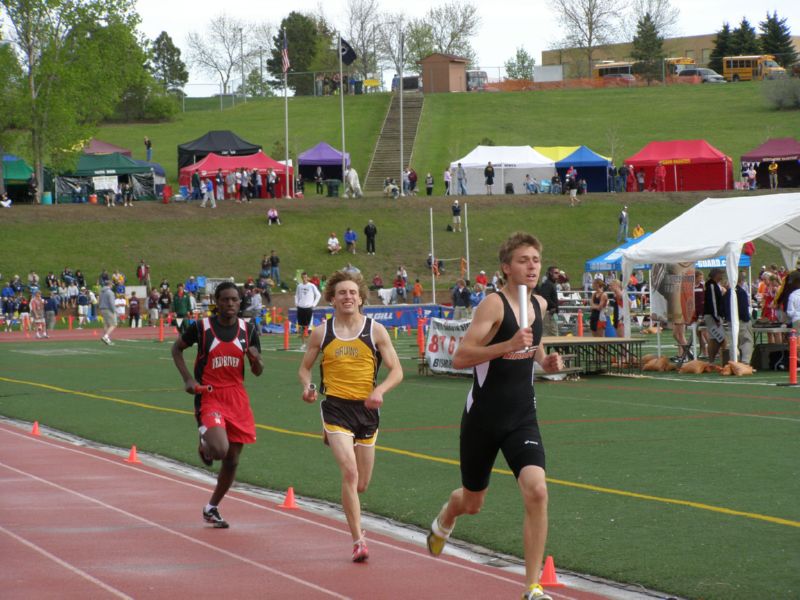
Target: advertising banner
column 443, row 339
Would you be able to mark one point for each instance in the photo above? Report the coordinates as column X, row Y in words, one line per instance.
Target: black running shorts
column 304, row 316
column 350, row 417
column 482, row 438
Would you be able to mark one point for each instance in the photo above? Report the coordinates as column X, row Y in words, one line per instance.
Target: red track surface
column 71, row 335
column 81, row 523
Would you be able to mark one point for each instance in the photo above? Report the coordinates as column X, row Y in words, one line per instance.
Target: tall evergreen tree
column 303, row 44
column 165, row 63
column 648, row 49
column 722, row 48
column 521, row 66
column 744, row 39
column 776, row 39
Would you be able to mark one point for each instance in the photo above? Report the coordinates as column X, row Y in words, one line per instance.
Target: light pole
column 241, row 57
column 400, row 91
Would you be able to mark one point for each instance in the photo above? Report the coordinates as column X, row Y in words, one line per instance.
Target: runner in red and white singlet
column 224, row 417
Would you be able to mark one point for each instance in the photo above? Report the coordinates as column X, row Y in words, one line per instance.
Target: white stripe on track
column 276, row 511
column 178, row 534
column 66, row 565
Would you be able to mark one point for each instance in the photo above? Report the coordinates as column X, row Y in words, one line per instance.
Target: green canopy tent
column 100, row 172
column 16, row 173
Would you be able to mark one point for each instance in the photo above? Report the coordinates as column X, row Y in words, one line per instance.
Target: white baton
column 523, row 306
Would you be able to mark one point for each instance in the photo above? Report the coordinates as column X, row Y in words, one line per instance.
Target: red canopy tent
column 210, row 164
column 691, row 165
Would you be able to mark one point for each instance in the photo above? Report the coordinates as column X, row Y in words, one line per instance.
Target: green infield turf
column 685, row 486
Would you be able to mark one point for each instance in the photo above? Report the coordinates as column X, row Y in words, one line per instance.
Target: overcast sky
column 505, row 24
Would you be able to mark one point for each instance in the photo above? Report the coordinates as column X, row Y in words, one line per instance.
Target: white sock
column 209, row 507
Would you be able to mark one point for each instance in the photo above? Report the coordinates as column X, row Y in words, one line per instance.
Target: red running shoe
column 360, row 551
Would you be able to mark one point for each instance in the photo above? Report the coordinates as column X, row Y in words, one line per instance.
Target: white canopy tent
column 721, row 226
column 511, row 164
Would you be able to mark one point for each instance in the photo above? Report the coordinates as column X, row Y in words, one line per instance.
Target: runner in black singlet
column 500, row 413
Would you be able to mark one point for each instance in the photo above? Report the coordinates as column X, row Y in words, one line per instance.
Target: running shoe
column 437, row 537
column 212, row 516
column 206, row 461
column 535, row 592
column 360, row 551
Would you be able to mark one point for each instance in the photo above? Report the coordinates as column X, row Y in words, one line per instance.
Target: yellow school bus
column 676, row 64
column 747, row 68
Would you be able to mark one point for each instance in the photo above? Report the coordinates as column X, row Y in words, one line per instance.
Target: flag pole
column 289, row 178
column 341, row 108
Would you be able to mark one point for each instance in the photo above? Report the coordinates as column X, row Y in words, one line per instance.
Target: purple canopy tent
column 322, row 155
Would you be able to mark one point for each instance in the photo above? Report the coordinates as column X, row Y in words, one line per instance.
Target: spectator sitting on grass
column 334, row 247
column 377, row 282
column 272, row 216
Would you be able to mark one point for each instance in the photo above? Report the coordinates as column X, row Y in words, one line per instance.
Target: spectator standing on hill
column 622, row 231
column 370, row 231
column 461, row 180
column 456, row 210
column 412, row 181
column 448, row 178
column 751, row 177
column 274, row 267
column 660, row 176
column 107, row 311
column 622, row 178
column 429, row 184
column 319, row 177
column 230, row 185
column 197, row 189
column 224, row 417
column 773, row 175
column 572, row 186
column 143, row 273
column 416, row 292
column 148, row 149
column 640, row 180
column 306, row 298
column 488, row 175
column 219, row 181
column 482, row 279
column 120, row 305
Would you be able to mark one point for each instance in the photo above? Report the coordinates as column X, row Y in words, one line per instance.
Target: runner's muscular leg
column 365, row 461
column 227, row 471
column 344, row 452
column 461, row 502
column 532, row 485
column 216, row 443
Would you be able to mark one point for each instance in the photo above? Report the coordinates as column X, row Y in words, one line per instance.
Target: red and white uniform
column 220, row 363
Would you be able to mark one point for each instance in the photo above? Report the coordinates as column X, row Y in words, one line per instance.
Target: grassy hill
column 613, row 121
column 179, row 240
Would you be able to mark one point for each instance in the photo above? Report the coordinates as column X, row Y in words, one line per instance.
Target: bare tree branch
column 589, row 23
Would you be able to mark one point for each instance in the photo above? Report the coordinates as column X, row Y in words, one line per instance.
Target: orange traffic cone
column 132, row 458
column 35, row 430
column 289, row 502
column 549, row 577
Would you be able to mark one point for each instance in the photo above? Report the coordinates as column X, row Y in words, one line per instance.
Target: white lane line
column 176, row 533
column 275, row 511
column 66, row 565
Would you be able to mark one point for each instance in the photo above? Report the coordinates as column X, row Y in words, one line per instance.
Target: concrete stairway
column 386, row 158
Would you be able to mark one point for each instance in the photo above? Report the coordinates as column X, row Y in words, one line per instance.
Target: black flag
column 348, row 54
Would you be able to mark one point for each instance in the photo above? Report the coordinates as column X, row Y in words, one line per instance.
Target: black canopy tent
column 225, row 143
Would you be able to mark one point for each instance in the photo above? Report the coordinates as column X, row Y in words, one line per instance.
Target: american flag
column 285, row 54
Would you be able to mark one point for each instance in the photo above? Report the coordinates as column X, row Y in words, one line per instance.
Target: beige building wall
column 698, row 47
